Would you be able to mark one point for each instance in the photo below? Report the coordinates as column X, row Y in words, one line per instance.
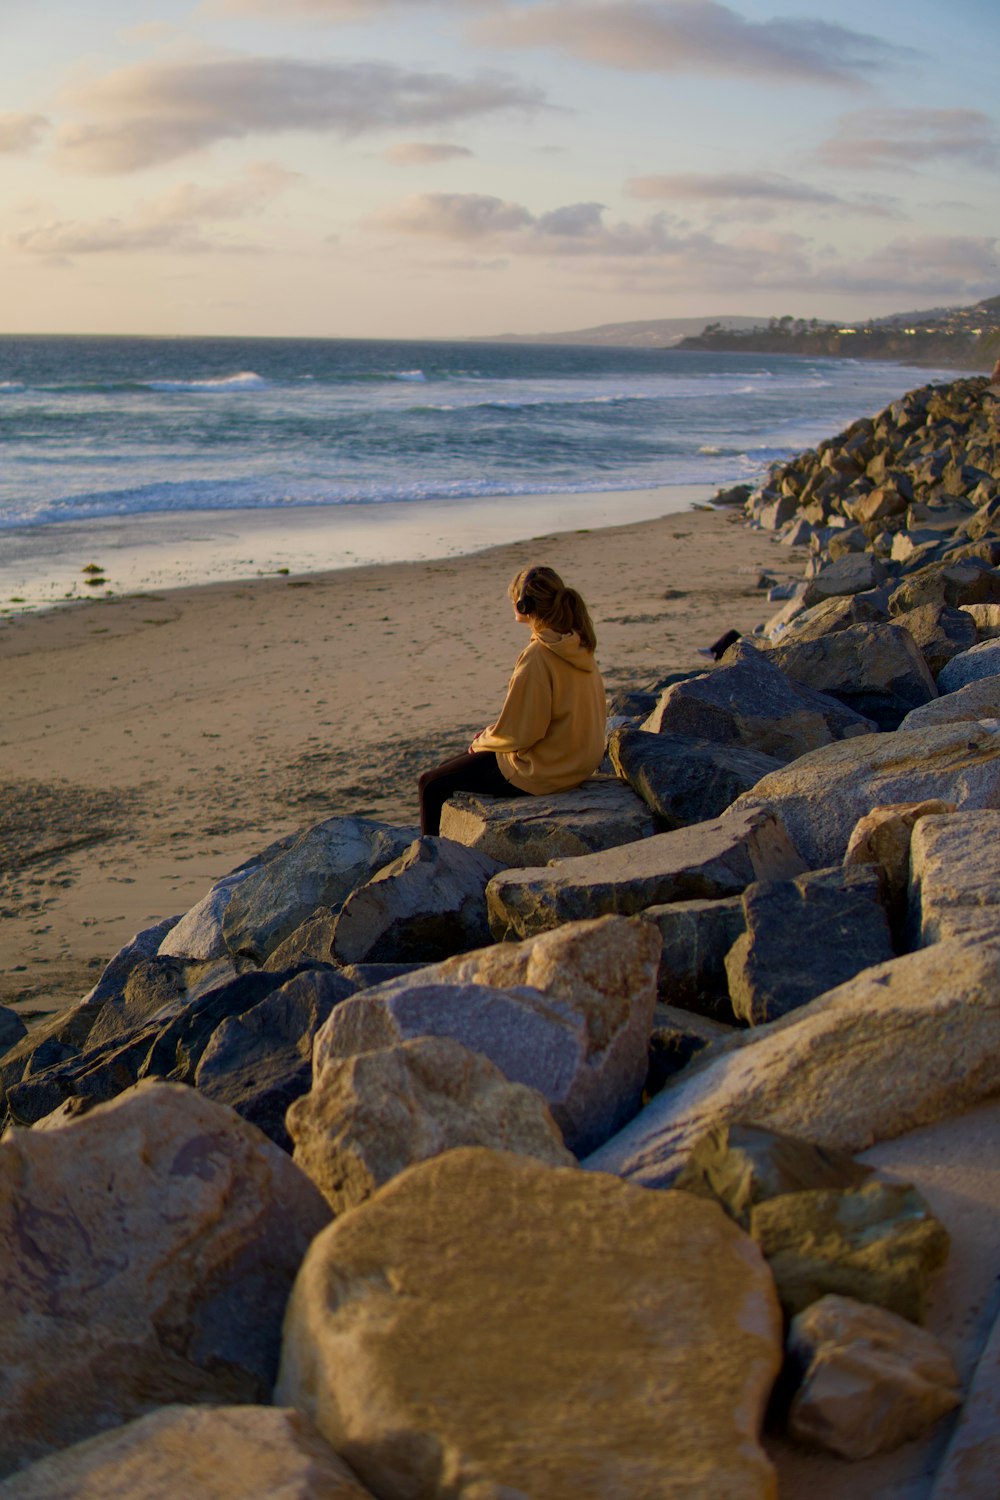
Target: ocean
column 113, row 431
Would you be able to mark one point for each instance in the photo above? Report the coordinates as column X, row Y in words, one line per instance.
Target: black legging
column 465, row 773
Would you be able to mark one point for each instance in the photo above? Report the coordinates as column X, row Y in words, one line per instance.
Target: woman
column 551, row 730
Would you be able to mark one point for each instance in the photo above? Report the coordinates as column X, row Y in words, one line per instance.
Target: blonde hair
column 540, row 592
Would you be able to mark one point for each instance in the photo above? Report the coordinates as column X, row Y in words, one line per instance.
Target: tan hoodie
column 551, row 730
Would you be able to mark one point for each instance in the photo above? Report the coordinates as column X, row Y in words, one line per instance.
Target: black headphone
column 524, row 604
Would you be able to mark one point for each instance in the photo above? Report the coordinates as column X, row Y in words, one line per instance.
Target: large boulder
column 199, row 933
column 881, row 839
column 980, row 699
column 706, row 860
column 531, row 830
column 969, row 581
column 869, row 1380
column 747, row 700
column 568, row 1015
column 854, row 574
column 939, row 632
column 426, row 905
column 697, row 935
column 971, row 665
column 834, row 1072
column 144, row 944
column 627, row 1344
column 802, row 937
column 833, row 614
column 258, row 1062
column 321, row 867
column 877, row 670
column 373, row 1114
column 822, row 796
column 955, row 877
column 147, row 1251
column 685, row 780
column 198, row 1452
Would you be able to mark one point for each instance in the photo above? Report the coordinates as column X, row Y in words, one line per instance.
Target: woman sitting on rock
column 551, row 730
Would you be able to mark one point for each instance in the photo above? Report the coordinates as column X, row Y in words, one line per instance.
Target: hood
column 568, row 648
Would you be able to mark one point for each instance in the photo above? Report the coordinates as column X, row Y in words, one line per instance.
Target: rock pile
column 498, row 1161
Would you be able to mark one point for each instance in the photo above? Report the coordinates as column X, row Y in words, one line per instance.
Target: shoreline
column 42, row 567
column 137, row 766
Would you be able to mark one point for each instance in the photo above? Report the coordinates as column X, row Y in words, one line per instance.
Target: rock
column 955, row 877
column 986, row 618
column 147, row 1253
column 804, row 936
column 939, row 632
column 312, row 941
column 882, row 838
column 144, row 944
column 834, row 1072
column 199, row 934
column 685, row 780
column 854, row 574
column 876, row 670
column 157, row 987
column 743, row 1165
column 748, row 700
column 876, row 1242
column 719, row 858
column 677, row 1037
column 371, row 1115
column 426, row 905
column 198, row 1452
column 321, row 867
column 969, row 666
column 258, row 1062
column 12, row 1028
column 68, row 1030
column 697, row 935
column 870, row 1380
column 979, row 700
column 568, row 1015
column 627, row 1345
column 822, row 796
column 971, row 581
column 528, row 831
column 969, row 1467
column 878, row 505
column 834, row 614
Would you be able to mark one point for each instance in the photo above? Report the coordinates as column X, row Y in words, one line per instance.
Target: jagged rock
column 258, row 1062
column 677, row 1037
column 878, row 505
column 835, row 1072
column 68, row 1031
column 939, row 632
column 367, row 976
column 970, row 666
column 373, row 1114
column 568, row 1013
column 986, row 618
column 321, row 867
column 870, row 1381
column 955, row 877
column 877, row 1242
column 748, row 700
column 685, row 780
column 428, row 1387
column 147, row 1252
column 144, row 944
column 719, row 858
column 426, row 905
column 160, row 987
column 12, row 1028
column 979, row 700
column 804, row 936
column 834, row 614
column 311, row 941
column 823, row 795
column 854, row 574
column 199, row 934
column 969, row 1467
column 743, row 1165
column 697, row 935
column 876, row 670
column 971, row 581
column 531, row 830
column 882, row 838
column 198, row 1452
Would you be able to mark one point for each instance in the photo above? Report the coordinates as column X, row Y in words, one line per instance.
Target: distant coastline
column 890, row 345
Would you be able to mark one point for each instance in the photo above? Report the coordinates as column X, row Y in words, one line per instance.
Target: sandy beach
column 152, row 741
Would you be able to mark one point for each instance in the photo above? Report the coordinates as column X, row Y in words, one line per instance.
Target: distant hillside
column 649, row 333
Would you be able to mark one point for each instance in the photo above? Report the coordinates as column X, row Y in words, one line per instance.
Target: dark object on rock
column 804, row 937
column 685, row 780
column 718, row 649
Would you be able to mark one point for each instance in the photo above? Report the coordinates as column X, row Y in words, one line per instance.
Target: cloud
column 762, row 193
column 21, row 132
column 172, row 221
column 955, row 268
column 903, row 138
column 696, row 36
column 155, row 112
column 420, row 153
column 324, row 10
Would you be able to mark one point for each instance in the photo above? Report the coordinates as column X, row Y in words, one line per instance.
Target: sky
column 454, row 168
